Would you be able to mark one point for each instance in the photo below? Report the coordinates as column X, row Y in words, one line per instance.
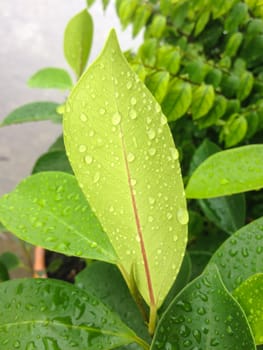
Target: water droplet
column 151, row 200
column 116, row 118
column 184, row 305
column 150, row 219
column 151, row 134
column 224, row 181
column 148, row 120
column 83, row 117
column 133, row 101
column 187, row 343
column 152, row 151
column 245, row 252
column 169, row 216
column 17, row 344
column 130, row 157
column 82, row 148
column 163, row 120
column 229, row 330
column 88, row 159
column 214, row 342
column 133, row 114
column 93, row 244
column 157, row 108
column 201, row 311
column 175, row 238
column 129, row 85
column 184, row 331
column 197, row 335
column 182, row 216
column 133, row 182
column 174, row 153
column 96, row 177
column 102, row 111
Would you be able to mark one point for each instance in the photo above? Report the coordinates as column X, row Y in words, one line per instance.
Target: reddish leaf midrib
column 138, row 224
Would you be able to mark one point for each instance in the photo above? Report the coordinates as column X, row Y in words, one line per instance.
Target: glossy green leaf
column 196, row 71
column 168, row 58
column 199, row 260
column 253, row 123
column 58, row 145
column 220, row 7
column 105, row 282
column 115, row 171
column 228, row 213
column 236, row 17
column 147, row 52
column 51, row 78
column 141, row 16
column 233, row 44
column 234, row 130
column 31, row 112
column 52, row 161
column 215, row 113
column 125, row 10
column 157, row 83
column 77, row 41
column 52, row 314
column 202, row 22
column 250, row 296
column 157, row 27
column 49, row 209
column 214, row 77
column 202, row 102
column 246, row 85
column 231, row 171
column 177, row 99
column 241, row 255
column 204, row 316
column 10, row 260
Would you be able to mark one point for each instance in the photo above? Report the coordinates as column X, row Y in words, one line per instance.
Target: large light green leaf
column 250, row 296
column 124, row 158
column 241, row 255
column 232, row 171
column 49, row 209
column 77, row 41
column 204, row 316
column 48, row 314
column 51, row 78
column 32, row 112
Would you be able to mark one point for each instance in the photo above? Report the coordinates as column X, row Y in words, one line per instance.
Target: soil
column 63, row 267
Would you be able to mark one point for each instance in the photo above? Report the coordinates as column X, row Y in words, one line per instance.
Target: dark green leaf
column 4, row 276
column 53, row 161
column 253, row 123
column 199, row 261
column 31, row 112
column 105, row 282
column 246, row 85
column 51, row 78
column 177, row 100
column 227, row 172
column 77, row 41
column 214, row 77
column 237, row 16
column 58, row 145
column 196, row 71
column 10, row 260
column 227, row 213
column 202, row 102
column 250, row 296
column 204, row 315
column 49, row 209
column 215, row 113
column 241, row 255
column 50, row 314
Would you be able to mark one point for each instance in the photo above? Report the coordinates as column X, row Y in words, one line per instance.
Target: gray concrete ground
column 31, row 36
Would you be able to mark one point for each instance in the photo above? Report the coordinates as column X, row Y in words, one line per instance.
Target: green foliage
column 77, row 41
column 49, row 78
column 31, row 112
column 202, row 62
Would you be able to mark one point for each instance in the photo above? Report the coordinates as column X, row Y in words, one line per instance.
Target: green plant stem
column 142, row 343
column 152, row 319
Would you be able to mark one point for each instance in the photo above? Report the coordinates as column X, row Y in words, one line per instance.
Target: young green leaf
column 31, row 112
column 157, row 83
column 77, row 41
column 131, row 180
column 51, row 78
column 204, row 316
column 241, row 255
column 52, row 161
column 203, row 99
column 52, row 314
column 142, row 13
column 177, row 99
column 49, row 209
column 250, row 296
column 232, row 171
